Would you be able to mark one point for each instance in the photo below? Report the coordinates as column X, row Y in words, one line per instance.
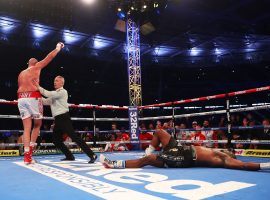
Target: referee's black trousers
column 63, row 124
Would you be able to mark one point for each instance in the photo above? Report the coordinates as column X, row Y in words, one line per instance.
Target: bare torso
column 26, row 78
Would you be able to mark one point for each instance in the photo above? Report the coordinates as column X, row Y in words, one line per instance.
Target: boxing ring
column 50, row 178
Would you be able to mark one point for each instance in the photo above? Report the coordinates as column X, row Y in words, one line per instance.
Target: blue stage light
column 218, row 51
column 69, row 37
column 162, row 51
column 121, row 14
column 6, row 24
column 195, row 51
column 39, row 31
column 99, row 43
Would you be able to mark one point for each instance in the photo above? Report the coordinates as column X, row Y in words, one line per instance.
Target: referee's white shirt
column 56, row 99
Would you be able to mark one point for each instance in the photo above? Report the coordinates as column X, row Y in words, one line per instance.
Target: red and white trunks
column 30, row 105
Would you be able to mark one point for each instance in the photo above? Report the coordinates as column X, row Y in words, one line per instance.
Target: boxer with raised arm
column 30, row 102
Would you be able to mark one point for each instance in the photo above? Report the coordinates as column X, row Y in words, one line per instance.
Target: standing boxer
column 30, row 102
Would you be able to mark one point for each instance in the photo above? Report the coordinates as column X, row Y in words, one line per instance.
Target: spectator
column 125, row 137
column 145, row 136
column 238, row 120
column 222, row 122
column 110, row 146
column 158, row 125
column 264, row 134
column 170, row 127
column 241, row 135
column 165, row 126
column 251, row 134
column 222, row 136
column 198, row 136
column 84, row 134
column 193, row 126
column 209, row 135
column 183, row 134
column 118, row 137
column 151, row 129
column 114, row 129
column 143, row 126
column 151, row 126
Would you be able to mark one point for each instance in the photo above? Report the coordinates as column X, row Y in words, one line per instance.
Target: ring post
column 229, row 124
column 94, row 125
column 173, row 118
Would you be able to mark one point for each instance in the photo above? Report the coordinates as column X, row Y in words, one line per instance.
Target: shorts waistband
column 34, row 94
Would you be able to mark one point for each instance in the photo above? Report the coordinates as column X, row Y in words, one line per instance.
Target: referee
column 62, row 123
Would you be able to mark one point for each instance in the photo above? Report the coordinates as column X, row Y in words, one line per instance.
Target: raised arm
column 43, row 63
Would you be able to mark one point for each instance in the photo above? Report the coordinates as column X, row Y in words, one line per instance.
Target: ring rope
column 87, row 106
column 177, row 129
column 207, row 113
column 155, row 118
column 112, row 107
column 218, row 96
column 72, row 118
column 148, row 141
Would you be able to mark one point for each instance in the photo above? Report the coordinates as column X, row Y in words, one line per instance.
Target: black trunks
column 177, row 156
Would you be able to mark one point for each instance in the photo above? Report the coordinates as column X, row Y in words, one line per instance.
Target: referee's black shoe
column 93, row 159
column 68, row 159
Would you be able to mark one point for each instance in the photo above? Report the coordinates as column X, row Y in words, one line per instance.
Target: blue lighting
column 39, row 31
column 162, row 50
column 248, row 56
column 67, row 49
column 158, row 11
column 99, row 43
column 70, row 37
column 36, row 44
column 121, row 14
column 195, row 51
column 218, row 51
column 125, row 50
column 4, row 38
column 157, row 50
column 249, row 50
column 6, row 24
column 251, row 46
column 191, row 40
